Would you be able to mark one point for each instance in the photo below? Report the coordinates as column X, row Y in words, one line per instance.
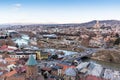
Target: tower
column 97, row 25
column 31, row 72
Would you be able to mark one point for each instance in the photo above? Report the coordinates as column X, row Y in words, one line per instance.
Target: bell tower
column 31, row 72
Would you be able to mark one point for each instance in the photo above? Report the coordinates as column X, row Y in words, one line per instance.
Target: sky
column 58, row 11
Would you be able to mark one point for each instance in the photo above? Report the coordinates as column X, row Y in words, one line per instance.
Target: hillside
column 107, row 55
column 86, row 24
column 107, row 22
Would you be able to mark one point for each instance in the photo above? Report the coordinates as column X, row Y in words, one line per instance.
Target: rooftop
column 31, row 61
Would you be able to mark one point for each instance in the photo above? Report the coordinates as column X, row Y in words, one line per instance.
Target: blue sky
column 58, row 11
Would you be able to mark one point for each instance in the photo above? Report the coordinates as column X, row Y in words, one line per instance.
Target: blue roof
column 70, row 72
column 31, row 61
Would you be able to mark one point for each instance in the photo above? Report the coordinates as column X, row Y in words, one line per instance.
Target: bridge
column 87, row 54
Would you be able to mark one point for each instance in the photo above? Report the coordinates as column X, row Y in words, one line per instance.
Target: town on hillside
column 87, row 51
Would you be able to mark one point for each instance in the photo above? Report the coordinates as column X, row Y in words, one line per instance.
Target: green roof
column 31, row 61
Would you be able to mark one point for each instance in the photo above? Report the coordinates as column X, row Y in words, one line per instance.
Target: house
column 33, row 42
column 11, row 67
column 10, row 31
column 11, row 60
column 42, row 55
column 50, row 36
column 3, row 66
column 3, row 36
column 82, row 65
column 26, row 37
column 31, row 72
column 96, row 42
column 20, row 42
column 7, row 48
column 22, row 54
column 57, row 70
column 9, row 74
column 111, row 75
column 64, row 67
column 70, row 74
column 90, row 77
column 96, row 71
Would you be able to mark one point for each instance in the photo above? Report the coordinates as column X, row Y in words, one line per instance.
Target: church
column 30, row 74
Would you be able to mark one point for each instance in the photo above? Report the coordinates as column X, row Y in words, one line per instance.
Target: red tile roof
column 46, row 69
column 90, row 77
column 3, row 47
column 6, row 48
column 9, row 74
column 11, row 59
column 3, row 65
column 40, row 78
column 65, row 66
column 16, row 78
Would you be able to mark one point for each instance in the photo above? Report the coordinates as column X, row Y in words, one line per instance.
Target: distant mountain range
column 86, row 24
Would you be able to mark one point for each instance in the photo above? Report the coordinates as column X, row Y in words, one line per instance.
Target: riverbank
column 108, row 65
column 107, row 56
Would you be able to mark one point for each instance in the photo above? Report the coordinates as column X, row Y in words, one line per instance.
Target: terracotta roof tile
column 9, row 74
column 11, row 59
column 90, row 77
column 46, row 69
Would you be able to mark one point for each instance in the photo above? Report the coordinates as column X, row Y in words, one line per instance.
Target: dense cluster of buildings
column 22, row 58
column 29, row 68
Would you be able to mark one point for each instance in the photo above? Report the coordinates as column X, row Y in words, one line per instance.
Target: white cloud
column 17, row 6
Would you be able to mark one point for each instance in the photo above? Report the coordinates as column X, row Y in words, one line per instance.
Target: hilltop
column 106, row 22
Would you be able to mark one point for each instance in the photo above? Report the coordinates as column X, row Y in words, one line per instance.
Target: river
column 108, row 65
